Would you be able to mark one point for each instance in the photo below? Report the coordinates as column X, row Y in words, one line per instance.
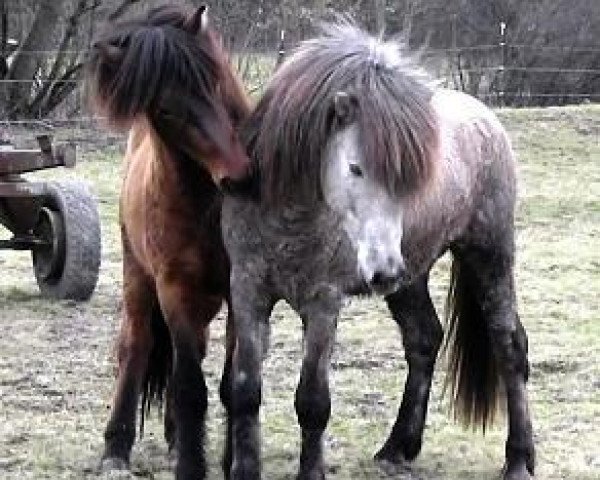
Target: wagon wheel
column 66, row 264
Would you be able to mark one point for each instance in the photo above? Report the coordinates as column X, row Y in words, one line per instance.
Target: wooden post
column 380, row 20
column 281, row 50
column 4, row 26
column 3, row 39
column 504, row 79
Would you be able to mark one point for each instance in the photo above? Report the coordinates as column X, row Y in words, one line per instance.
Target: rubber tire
column 78, row 209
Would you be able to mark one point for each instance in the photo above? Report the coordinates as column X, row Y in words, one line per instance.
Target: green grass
column 57, row 362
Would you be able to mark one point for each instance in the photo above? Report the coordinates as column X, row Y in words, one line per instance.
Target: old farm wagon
column 56, row 220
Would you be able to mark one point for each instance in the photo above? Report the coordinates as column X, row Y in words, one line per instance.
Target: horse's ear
column 110, row 52
column 197, row 21
column 345, row 107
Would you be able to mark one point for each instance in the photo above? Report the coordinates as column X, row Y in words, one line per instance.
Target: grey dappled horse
column 364, row 175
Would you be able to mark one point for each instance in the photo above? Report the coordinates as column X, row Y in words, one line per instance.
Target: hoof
column 392, row 463
column 113, row 464
column 173, row 458
column 394, row 457
column 400, row 451
column 517, row 472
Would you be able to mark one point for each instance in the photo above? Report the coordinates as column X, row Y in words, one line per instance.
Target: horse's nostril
column 382, row 279
column 377, row 278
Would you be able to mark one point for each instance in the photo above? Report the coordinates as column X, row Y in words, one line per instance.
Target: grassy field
column 57, row 362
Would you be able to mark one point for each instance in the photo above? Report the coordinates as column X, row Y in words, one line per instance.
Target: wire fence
column 495, row 63
column 553, row 48
column 541, row 48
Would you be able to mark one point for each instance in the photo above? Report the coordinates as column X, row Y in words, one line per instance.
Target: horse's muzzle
column 384, row 283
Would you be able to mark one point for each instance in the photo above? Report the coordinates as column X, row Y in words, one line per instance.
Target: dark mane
column 293, row 121
column 160, row 66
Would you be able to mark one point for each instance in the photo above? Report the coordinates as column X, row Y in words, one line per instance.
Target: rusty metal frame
column 20, row 200
column 17, row 161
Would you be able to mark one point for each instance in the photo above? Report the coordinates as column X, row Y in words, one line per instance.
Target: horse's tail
column 159, row 365
column 473, row 374
column 128, row 72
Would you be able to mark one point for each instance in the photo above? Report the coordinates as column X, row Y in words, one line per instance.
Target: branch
column 93, row 6
column 60, row 89
column 121, row 9
column 70, row 31
column 24, row 67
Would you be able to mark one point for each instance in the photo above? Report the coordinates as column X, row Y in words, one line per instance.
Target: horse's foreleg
column 188, row 314
column 225, row 390
column 134, row 345
column 422, row 334
column 313, row 400
column 169, row 418
column 250, row 310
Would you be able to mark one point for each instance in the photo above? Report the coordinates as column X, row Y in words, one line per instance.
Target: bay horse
column 363, row 175
column 166, row 78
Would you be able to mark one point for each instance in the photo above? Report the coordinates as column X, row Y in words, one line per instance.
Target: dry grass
column 56, row 365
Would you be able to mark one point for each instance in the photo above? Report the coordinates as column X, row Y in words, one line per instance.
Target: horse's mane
column 155, row 66
column 292, row 123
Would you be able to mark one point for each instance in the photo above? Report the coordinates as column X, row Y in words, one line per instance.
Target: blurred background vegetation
column 506, row 52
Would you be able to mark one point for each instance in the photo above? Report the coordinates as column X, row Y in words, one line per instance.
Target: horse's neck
column 147, row 154
column 137, row 133
column 307, row 221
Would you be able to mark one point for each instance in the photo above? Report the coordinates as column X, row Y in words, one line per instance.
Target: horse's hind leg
column 484, row 279
column 134, row 346
column 188, row 314
column 413, row 311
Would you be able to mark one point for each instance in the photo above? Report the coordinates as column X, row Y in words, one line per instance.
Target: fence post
column 3, row 38
column 456, row 55
column 504, row 77
column 281, row 51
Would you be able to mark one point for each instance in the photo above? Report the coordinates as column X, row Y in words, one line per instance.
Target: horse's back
column 459, row 108
column 467, row 127
column 477, row 155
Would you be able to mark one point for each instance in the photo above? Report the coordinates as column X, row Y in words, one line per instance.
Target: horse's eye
column 356, row 170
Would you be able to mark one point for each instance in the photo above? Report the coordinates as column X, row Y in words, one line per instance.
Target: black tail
column 159, row 366
column 473, row 374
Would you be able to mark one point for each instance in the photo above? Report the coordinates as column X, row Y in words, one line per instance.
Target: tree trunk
column 24, row 66
column 379, row 14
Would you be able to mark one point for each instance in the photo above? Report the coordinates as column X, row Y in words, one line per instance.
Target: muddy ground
column 57, row 362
